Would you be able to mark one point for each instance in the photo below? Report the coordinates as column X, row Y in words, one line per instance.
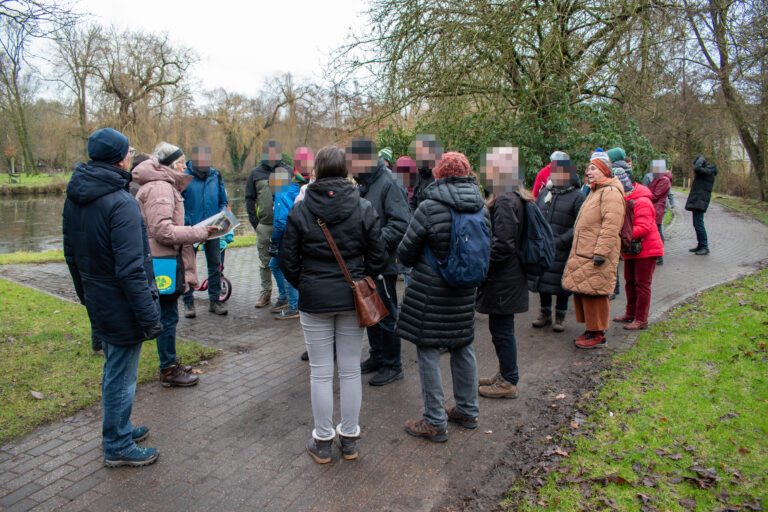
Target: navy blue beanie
column 107, row 145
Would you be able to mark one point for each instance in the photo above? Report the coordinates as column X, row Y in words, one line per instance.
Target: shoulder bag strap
column 335, row 251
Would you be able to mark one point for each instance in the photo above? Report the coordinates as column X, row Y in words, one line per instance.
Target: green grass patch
column 45, row 346
column 42, row 179
column 668, row 216
column 16, row 258
column 682, row 420
column 243, row 241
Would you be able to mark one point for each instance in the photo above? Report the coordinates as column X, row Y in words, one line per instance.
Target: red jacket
column 541, row 181
column 645, row 224
column 659, row 192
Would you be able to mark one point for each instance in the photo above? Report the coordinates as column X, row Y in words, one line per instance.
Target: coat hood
column 95, row 179
column 332, row 199
column 608, row 182
column 152, row 170
column 460, row 193
column 638, row 192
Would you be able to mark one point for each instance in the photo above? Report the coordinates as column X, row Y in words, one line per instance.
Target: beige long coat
column 596, row 233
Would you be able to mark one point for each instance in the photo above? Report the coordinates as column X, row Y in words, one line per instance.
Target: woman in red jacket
column 638, row 268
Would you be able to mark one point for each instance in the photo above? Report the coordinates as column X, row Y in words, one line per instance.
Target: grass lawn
column 38, row 180
column 682, row 420
column 45, row 347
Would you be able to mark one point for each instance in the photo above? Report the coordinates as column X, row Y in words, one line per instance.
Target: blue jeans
column 118, row 385
column 701, row 232
column 464, row 376
column 502, row 329
column 385, row 344
column 213, row 261
column 166, row 342
column 284, row 288
column 561, row 306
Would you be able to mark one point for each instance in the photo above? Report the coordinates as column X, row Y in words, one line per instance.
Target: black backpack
column 537, row 249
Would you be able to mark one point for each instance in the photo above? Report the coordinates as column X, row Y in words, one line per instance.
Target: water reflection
column 34, row 223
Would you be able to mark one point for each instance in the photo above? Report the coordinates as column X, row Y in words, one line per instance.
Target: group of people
column 353, row 213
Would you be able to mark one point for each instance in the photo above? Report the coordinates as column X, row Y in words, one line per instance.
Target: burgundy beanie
column 405, row 164
column 452, row 163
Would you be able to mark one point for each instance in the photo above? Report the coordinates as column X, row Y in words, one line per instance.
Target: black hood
column 365, row 180
column 95, row 179
column 461, row 194
column 425, row 172
column 332, row 199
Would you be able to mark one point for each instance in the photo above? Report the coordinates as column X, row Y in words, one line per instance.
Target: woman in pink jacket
column 161, row 180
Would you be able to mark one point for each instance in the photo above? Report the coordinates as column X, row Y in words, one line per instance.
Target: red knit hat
column 452, row 163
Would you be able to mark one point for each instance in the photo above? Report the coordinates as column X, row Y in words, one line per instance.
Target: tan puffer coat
column 163, row 210
column 596, row 233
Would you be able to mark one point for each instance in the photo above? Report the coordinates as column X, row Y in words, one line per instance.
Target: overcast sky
column 241, row 43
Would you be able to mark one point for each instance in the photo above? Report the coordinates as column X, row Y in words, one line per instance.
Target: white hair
column 164, row 149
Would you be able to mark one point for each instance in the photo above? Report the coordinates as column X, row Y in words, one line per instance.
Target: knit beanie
column 616, row 154
column 405, row 165
column 558, row 155
column 108, row 146
column 621, row 174
column 452, row 163
column 601, row 160
column 386, row 154
column 302, row 154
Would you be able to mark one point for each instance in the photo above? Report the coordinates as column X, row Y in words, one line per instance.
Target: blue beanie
column 108, row 146
column 621, row 174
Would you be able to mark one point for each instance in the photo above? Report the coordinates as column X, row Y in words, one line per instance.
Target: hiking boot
column 218, row 308
column 420, row 428
column 369, row 366
column 694, row 249
column 281, row 304
column 485, row 381
column 137, row 457
column 625, row 318
column 264, row 300
column 385, row 376
column 595, row 340
column 305, row 356
column 702, row 251
column 320, row 450
column 545, row 319
column 139, row 434
column 462, row 419
column 176, row 376
column 559, row 325
column 660, row 261
column 499, row 389
column 635, row 325
column 287, row 314
column 348, row 447
column 189, row 311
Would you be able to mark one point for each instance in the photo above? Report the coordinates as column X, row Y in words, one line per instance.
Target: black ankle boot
column 320, row 450
column 348, row 447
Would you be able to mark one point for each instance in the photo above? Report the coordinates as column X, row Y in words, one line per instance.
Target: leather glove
column 273, row 250
column 598, row 260
column 153, row 331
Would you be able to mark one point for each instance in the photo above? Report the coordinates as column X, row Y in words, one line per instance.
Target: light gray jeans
column 320, row 333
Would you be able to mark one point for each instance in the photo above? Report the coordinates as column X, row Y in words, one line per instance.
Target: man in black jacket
column 107, row 251
column 426, row 150
column 698, row 201
column 390, row 200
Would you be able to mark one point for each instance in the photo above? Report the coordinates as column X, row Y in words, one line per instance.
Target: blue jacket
column 107, row 251
column 283, row 204
column 204, row 197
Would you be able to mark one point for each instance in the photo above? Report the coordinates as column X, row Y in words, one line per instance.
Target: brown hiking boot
column 264, row 300
column 420, row 428
column 485, row 381
column 462, row 419
column 559, row 325
column 545, row 319
column 176, row 376
column 499, row 389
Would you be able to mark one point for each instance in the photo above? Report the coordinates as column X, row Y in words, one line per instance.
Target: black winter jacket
column 306, row 258
column 390, row 200
column 560, row 212
column 423, row 180
column 432, row 313
column 701, row 188
column 107, row 251
column 505, row 290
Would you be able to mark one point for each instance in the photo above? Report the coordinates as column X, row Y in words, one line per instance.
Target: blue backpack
column 466, row 264
column 537, row 250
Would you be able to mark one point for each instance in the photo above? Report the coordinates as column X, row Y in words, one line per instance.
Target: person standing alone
column 698, row 201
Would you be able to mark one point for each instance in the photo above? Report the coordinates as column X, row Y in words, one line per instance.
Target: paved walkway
column 237, row 439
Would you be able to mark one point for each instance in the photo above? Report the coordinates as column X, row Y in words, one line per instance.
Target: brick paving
column 237, row 439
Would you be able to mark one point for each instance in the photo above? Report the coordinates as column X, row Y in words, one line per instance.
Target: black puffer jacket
column 505, row 291
column 423, row 180
column 701, row 188
column 560, row 212
column 107, row 251
column 306, row 258
column 433, row 314
column 390, row 200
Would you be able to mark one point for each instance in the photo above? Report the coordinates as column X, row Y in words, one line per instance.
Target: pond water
column 34, row 223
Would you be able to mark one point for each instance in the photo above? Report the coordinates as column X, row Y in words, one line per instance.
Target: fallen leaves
column 613, row 479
